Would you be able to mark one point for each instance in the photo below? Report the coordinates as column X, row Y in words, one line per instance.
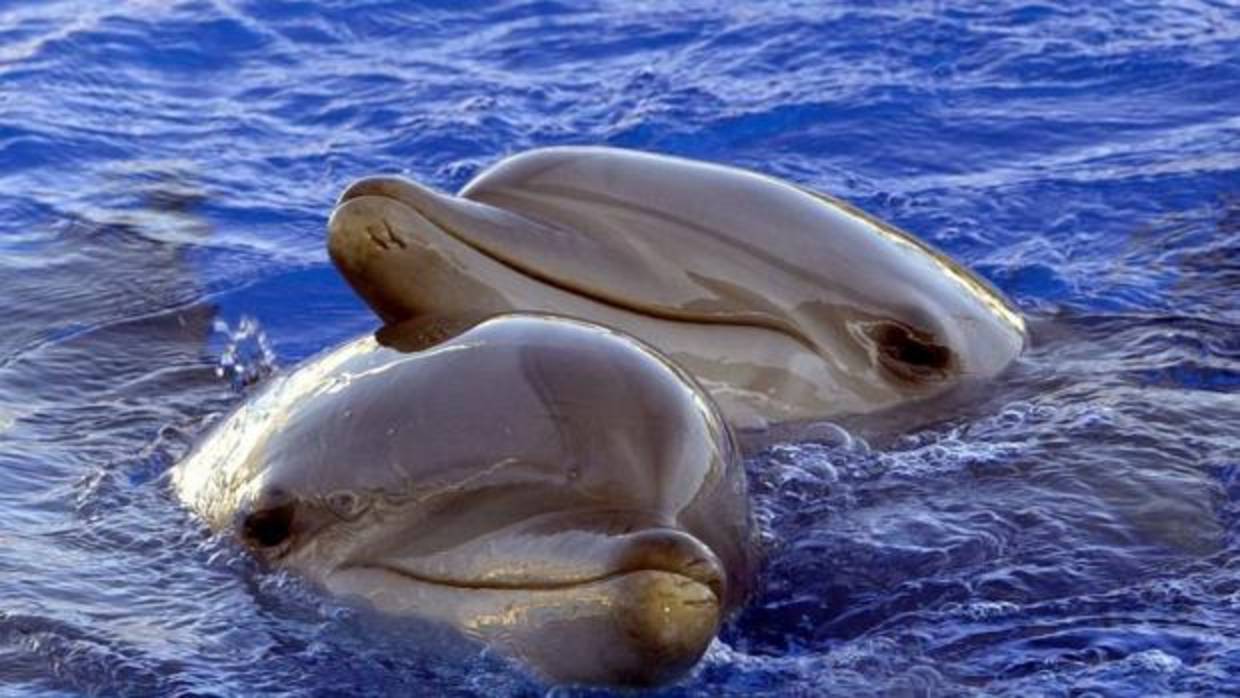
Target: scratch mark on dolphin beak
column 396, row 239
column 373, row 232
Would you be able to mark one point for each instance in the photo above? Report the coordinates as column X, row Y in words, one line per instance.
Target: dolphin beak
column 633, row 609
column 639, row 628
column 369, row 242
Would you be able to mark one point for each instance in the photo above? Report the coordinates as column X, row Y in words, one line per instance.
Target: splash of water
column 247, row 357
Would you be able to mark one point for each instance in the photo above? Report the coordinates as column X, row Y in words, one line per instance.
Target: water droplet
column 247, row 357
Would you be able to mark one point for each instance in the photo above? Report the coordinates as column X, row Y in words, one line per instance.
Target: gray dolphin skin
column 785, row 304
column 552, row 488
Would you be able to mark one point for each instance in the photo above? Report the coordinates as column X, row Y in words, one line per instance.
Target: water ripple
column 1073, row 528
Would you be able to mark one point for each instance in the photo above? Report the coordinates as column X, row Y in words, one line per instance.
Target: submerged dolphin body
column 553, row 488
column 785, row 304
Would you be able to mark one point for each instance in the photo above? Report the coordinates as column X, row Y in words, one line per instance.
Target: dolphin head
column 794, row 303
column 549, row 487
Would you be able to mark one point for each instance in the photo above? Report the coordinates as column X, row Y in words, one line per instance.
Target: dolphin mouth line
column 691, row 572
column 523, row 270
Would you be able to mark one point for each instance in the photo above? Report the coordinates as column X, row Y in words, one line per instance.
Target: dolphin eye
column 268, row 528
column 346, row 505
column 910, row 354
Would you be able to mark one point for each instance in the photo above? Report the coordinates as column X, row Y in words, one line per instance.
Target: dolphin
column 552, row 488
column 785, row 304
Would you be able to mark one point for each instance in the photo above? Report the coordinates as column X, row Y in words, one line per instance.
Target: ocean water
column 166, row 169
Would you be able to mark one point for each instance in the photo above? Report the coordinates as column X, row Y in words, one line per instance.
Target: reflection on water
column 167, row 169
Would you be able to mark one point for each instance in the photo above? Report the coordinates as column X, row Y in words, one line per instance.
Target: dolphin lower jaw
column 632, row 628
column 602, row 603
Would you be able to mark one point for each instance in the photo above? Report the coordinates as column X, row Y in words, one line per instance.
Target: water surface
column 166, row 169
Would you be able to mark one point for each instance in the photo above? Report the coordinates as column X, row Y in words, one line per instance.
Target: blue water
column 166, row 169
